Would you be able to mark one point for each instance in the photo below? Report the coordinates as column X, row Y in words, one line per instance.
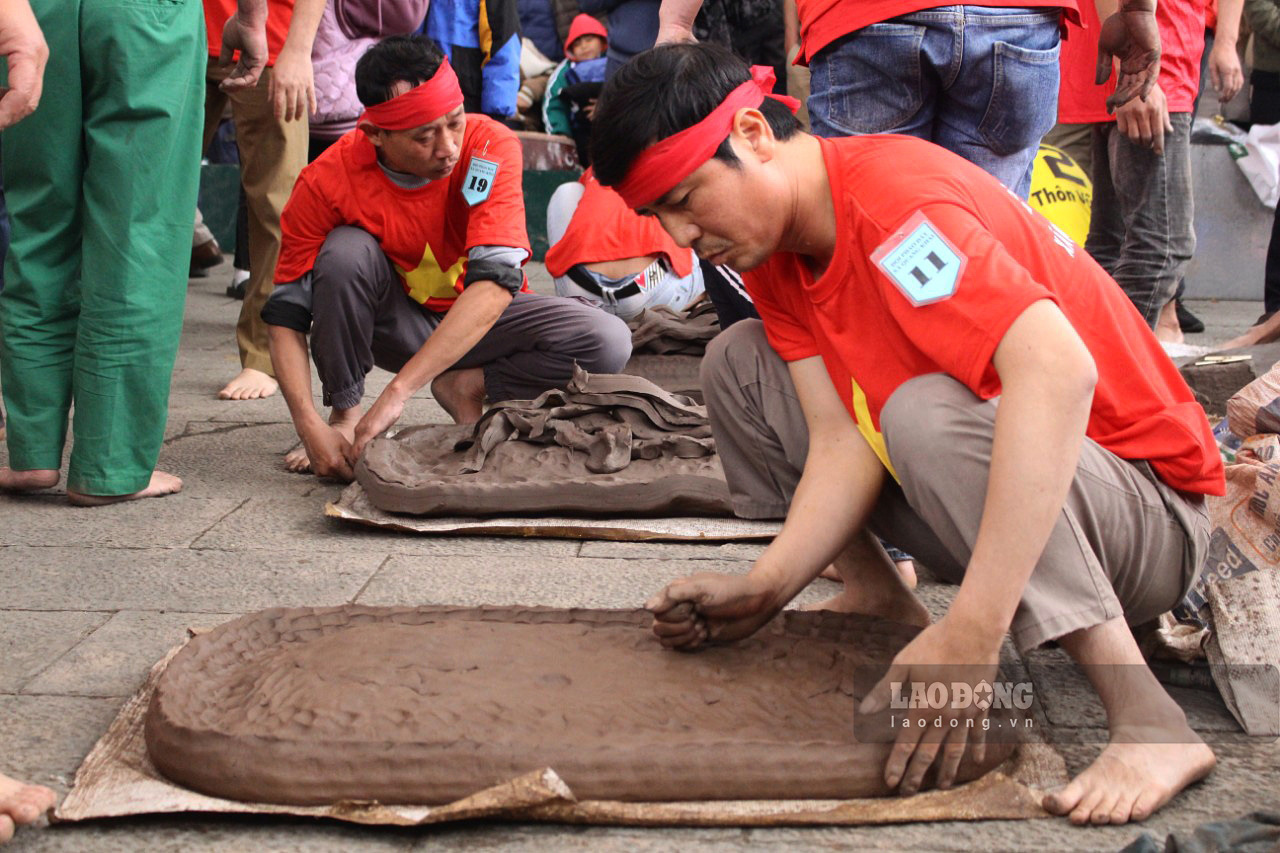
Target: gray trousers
column 362, row 317
column 1140, row 227
column 1125, row 544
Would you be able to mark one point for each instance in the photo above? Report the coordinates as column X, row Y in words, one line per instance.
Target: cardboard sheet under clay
column 354, row 506
column 118, row 779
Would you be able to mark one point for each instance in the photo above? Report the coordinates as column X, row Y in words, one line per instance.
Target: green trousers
column 101, row 183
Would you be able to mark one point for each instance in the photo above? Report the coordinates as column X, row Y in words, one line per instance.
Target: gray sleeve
column 289, row 305
column 505, row 255
column 499, row 264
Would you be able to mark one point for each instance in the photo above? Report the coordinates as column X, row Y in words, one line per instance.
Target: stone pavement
column 90, row 598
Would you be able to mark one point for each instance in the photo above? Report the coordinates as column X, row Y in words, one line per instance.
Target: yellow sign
column 1061, row 191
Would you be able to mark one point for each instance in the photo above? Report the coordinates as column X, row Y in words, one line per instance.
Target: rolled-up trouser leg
column 361, row 316
column 537, row 340
column 1124, row 544
column 760, row 431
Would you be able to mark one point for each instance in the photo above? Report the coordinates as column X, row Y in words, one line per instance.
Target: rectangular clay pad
column 427, row 705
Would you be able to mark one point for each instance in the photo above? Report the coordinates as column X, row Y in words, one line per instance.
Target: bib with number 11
column 478, row 183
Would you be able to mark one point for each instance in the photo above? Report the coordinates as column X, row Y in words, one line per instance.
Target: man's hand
column 327, row 449
column 1131, row 36
column 712, row 607
column 1146, row 122
column 941, row 653
column 22, row 44
column 674, row 34
column 250, row 39
column 1224, row 70
column 292, row 88
column 382, row 416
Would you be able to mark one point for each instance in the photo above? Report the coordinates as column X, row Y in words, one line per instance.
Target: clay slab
column 117, row 779
column 427, row 705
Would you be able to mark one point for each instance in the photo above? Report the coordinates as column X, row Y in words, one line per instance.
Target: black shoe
column 1188, row 322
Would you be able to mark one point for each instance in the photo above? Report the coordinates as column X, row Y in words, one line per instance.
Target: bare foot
column 296, row 460
column 906, row 568
column 161, row 484
column 1264, row 333
column 21, row 804
column 27, row 481
column 250, row 384
column 1131, row 780
column 461, row 393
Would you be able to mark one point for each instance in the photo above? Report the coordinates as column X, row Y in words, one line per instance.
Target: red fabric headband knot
column 420, row 105
column 664, row 164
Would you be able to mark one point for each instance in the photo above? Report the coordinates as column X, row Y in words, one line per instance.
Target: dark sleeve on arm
column 505, row 275
column 290, row 305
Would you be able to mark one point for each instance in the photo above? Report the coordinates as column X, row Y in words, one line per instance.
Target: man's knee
column 604, row 341
column 733, row 357
column 931, row 418
column 348, row 254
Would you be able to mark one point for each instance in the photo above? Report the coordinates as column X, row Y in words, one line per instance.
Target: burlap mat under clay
column 354, row 506
column 117, row 779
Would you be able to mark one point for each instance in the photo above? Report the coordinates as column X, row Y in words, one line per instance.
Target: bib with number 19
column 478, row 183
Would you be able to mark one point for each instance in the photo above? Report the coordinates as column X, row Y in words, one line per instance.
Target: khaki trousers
column 1125, row 543
column 272, row 154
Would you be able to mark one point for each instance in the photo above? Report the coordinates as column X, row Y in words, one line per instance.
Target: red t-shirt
column 279, row 14
column 977, row 256
column 603, row 228
column 426, row 232
column 1080, row 101
column 1182, row 25
column 824, row 21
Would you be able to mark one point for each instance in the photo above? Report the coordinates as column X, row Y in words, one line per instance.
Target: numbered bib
column 478, row 183
column 920, row 261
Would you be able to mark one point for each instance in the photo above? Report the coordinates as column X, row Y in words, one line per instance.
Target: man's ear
column 372, row 132
column 754, row 132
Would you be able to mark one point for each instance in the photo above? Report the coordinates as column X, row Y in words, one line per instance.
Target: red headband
column 420, row 105
column 664, row 164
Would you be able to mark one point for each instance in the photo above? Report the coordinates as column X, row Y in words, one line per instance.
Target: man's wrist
column 984, row 628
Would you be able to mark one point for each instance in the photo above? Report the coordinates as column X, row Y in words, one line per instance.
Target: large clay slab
column 428, row 705
column 607, row 445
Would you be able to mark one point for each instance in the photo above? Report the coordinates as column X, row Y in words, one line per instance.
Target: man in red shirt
column 902, row 292
column 403, row 247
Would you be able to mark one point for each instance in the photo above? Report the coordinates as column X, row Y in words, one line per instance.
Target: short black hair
column 662, row 91
column 413, row 59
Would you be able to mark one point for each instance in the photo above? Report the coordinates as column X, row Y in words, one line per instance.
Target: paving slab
column 48, row 520
column 749, row 551
column 288, row 524
column 182, row 834
column 33, row 640
column 114, row 660
column 46, row 737
column 529, row 580
column 97, row 579
column 1069, row 700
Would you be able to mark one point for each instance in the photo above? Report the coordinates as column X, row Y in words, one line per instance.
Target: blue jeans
column 980, row 81
column 1141, row 229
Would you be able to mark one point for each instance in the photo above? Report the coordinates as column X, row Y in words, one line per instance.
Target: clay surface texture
column 427, row 705
column 606, row 445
